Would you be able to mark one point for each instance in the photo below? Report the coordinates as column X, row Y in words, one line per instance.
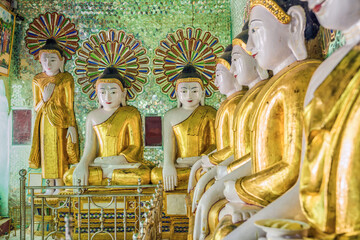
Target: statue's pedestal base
column 175, row 224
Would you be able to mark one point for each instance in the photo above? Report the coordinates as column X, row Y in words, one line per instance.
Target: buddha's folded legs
column 128, row 176
column 182, row 174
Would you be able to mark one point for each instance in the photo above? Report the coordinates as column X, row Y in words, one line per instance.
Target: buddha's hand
column 81, row 172
column 169, row 177
column 239, row 211
column 205, row 163
column 221, row 171
column 230, row 192
column 48, row 91
column 187, row 161
column 193, row 171
column 72, row 133
column 200, row 187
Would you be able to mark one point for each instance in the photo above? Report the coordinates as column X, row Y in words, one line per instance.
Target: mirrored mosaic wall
column 150, row 21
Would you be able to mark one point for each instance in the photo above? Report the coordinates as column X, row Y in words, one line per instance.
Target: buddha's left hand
column 230, row 192
column 239, row 211
column 72, row 133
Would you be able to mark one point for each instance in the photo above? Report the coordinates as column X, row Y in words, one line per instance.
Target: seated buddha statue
column 55, row 143
column 248, row 73
column 329, row 182
column 227, row 85
column 113, row 142
column 277, row 34
column 188, row 131
column 328, row 199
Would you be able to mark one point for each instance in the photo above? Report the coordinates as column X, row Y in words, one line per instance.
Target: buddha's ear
column 177, row 100
column 98, row 102
column 202, row 101
column 178, row 103
column 263, row 74
column 297, row 34
column 123, row 98
column 62, row 65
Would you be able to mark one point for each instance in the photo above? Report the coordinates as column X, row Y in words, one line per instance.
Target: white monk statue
column 113, row 146
column 188, row 131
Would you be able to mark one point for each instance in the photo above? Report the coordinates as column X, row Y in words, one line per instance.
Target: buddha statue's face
column 243, row 66
column 336, row 14
column 224, row 80
column 189, row 94
column 51, row 63
column 268, row 38
column 110, row 95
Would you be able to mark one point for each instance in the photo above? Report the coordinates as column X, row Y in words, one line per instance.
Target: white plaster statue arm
column 169, row 170
column 201, row 184
column 194, row 168
column 221, row 169
column 206, row 164
column 48, row 91
column 187, row 161
column 238, row 209
column 81, row 171
column 286, row 206
column 72, row 133
column 212, row 195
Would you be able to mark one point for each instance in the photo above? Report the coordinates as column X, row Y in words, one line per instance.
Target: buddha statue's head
column 111, row 89
column 224, row 79
column 189, row 88
column 52, row 58
column 278, row 30
column 336, row 14
column 243, row 66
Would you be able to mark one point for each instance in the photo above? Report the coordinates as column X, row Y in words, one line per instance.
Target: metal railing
column 139, row 206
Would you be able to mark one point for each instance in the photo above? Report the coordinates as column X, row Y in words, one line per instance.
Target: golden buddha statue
column 227, row 84
column 277, row 41
column 189, row 131
column 113, row 146
column 329, row 183
column 249, row 74
column 55, row 143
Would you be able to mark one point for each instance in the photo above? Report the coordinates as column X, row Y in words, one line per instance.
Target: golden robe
column 330, row 179
column 276, row 135
column 195, row 136
column 120, row 134
column 242, row 144
column 50, row 149
column 224, row 128
column 242, row 148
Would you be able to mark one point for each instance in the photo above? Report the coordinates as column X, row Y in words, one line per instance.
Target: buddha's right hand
column 169, row 177
column 48, row 91
column 81, row 172
column 192, row 179
column 200, row 187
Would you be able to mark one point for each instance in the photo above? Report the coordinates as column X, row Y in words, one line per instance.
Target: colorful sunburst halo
column 112, row 48
column 52, row 26
column 195, row 46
